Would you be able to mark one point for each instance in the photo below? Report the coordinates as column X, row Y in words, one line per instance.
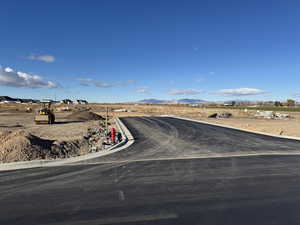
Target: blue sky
column 113, row 51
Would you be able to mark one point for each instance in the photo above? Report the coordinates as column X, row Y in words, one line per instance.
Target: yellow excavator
column 45, row 115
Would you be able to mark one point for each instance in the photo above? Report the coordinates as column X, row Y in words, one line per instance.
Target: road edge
column 127, row 140
column 234, row 128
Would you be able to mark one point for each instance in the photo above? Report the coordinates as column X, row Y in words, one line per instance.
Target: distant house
column 231, row 103
column 8, row 102
column 66, row 101
column 81, row 102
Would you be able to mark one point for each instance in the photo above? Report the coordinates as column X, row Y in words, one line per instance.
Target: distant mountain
column 190, row 101
column 153, row 101
column 180, row 101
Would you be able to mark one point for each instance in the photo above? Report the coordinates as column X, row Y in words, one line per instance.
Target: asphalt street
column 172, row 174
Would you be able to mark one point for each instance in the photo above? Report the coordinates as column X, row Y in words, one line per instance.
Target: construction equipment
column 45, row 115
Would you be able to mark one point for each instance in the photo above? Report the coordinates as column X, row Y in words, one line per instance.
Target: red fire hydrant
column 113, row 135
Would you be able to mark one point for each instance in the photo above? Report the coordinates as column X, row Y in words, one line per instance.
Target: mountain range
column 180, row 101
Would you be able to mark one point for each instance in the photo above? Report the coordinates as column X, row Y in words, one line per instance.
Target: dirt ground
column 20, row 137
column 63, row 129
column 241, row 118
column 66, row 129
column 74, row 133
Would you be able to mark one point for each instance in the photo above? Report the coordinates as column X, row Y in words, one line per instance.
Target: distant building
column 231, row 103
column 81, row 102
column 9, row 100
column 66, row 101
column 47, row 100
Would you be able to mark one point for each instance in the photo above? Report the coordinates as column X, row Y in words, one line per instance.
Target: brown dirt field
column 63, row 129
column 240, row 119
column 17, row 126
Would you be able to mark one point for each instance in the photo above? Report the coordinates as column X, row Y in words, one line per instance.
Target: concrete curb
column 127, row 140
column 234, row 128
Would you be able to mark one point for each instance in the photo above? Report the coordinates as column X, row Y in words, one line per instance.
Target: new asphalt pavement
column 176, row 172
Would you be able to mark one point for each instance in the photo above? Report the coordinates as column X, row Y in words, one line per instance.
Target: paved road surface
column 163, row 178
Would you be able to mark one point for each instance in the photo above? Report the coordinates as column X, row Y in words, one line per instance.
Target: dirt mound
column 21, row 145
column 84, row 116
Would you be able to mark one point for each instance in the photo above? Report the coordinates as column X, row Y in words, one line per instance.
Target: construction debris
column 220, row 115
column 63, row 109
column 96, row 137
column 122, row 110
column 271, row 115
column 282, row 116
column 264, row 114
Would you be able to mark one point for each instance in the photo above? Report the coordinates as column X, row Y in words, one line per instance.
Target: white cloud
column 240, row 92
column 143, row 90
column 43, row 58
column 11, row 78
column 185, row 92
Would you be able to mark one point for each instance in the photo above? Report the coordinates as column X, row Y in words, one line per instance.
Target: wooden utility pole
column 106, row 121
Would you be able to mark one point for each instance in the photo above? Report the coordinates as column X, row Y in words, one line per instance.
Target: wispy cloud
column 143, row 90
column 185, row 92
column 296, row 95
column 240, row 92
column 43, row 58
column 11, row 78
column 200, row 79
column 102, row 84
column 203, row 77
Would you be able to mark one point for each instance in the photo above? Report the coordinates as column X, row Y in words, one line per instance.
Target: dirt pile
column 84, row 116
column 21, row 145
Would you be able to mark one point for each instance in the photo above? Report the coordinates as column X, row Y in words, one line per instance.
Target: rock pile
column 96, row 137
